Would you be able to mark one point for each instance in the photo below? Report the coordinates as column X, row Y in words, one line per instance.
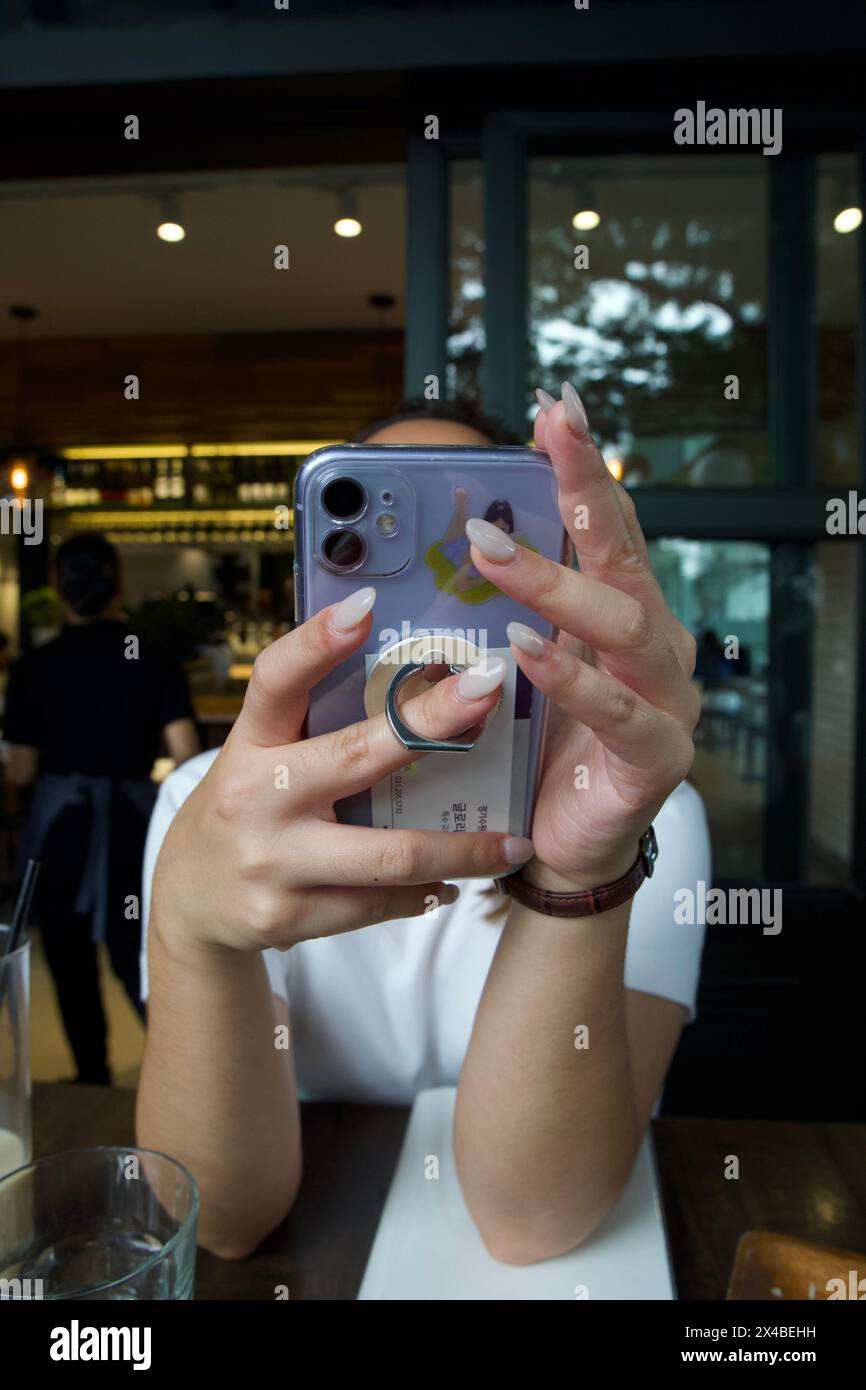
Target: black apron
column 103, row 796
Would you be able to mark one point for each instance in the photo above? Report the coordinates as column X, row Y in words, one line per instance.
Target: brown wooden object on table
column 768, row 1266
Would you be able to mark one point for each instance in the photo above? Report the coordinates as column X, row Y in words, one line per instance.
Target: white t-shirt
column 382, row 1013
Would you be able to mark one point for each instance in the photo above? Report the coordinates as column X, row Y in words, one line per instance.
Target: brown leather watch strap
column 590, row 901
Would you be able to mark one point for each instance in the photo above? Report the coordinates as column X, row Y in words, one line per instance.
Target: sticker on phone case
column 450, row 560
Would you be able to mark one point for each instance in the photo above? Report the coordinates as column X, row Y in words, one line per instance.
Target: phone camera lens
column 343, row 550
column 344, row 499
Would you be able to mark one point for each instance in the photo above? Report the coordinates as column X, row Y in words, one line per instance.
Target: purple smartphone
column 394, row 517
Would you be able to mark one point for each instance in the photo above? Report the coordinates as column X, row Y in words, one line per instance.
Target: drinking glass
column 15, row 1129
column 99, row 1224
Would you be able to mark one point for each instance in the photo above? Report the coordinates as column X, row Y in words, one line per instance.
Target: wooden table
column 807, row 1180
column 350, row 1152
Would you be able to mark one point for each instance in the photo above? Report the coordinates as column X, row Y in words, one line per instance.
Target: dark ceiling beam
column 354, row 118
column 629, row 31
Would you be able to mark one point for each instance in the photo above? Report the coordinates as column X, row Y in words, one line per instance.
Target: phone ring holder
column 416, row 743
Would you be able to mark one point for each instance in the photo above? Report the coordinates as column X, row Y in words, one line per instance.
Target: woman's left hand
column 624, row 707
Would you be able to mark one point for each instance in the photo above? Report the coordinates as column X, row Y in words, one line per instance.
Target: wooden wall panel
column 197, row 387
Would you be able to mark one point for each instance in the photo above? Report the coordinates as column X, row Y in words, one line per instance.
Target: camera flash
column 386, row 523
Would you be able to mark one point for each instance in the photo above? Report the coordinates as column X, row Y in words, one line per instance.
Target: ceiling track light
column 848, row 218
column 585, row 218
column 347, row 223
column 170, row 227
column 849, row 215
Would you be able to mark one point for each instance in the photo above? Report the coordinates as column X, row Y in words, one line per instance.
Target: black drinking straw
column 22, row 906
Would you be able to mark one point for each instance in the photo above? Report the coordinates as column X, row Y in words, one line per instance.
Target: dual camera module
column 344, row 500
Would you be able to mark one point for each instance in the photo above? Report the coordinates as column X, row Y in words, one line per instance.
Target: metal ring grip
column 416, row 743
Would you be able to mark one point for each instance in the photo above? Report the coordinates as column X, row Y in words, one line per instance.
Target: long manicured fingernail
column 494, row 544
column 545, row 400
column 525, row 638
column 574, row 411
column 353, row 609
column 517, row 850
column 478, row 681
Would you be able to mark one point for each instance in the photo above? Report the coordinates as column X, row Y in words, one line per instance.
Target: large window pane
column 669, row 305
column 721, row 591
column 833, row 707
column 466, row 310
column 837, row 320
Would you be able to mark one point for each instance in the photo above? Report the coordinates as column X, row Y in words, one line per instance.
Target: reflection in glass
column 721, row 592
column 834, row 683
column 837, row 322
column 657, row 314
column 466, row 337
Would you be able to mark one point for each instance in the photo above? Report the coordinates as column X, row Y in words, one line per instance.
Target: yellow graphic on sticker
column 450, row 560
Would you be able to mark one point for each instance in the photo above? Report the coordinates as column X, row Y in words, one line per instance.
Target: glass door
column 709, row 310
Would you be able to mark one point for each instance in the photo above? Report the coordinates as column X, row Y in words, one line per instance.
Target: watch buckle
column 649, row 850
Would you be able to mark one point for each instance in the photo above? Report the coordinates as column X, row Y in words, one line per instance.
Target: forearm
column 546, row 1128
column 217, row 1092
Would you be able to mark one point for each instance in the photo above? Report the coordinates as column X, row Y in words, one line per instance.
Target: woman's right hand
column 255, row 858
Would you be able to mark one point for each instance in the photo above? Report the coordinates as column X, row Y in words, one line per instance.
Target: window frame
column 790, row 516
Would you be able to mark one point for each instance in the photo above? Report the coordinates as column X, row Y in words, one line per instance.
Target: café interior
column 163, row 376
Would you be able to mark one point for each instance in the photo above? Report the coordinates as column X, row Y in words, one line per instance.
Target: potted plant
column 179, row 624
column 43, row 613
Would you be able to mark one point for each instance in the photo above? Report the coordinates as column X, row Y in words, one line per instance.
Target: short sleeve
column 663, row 956
column 174, row 701
column 21, row 719
column 172, row 794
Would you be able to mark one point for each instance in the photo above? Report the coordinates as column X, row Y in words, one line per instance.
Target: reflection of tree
column 648, row 339
column 651, row 342
column 466, row 338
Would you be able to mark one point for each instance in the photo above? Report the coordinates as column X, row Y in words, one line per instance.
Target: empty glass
column 15, row 1131
column 99, row 1224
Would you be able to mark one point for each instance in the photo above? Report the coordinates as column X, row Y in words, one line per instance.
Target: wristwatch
column 590, row 901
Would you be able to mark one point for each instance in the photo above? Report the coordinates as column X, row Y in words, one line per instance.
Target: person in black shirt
column 84, row 718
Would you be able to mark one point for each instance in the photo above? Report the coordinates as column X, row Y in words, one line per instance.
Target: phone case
column 431, row 603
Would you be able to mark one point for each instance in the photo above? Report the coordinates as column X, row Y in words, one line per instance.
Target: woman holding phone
column 264, row 912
